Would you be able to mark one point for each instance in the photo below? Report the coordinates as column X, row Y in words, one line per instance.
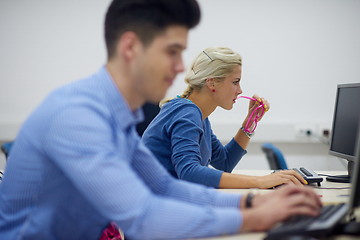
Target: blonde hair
column 214, row 62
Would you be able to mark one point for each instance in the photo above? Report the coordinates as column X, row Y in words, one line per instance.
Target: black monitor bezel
column 332, row 152
column 354, row 201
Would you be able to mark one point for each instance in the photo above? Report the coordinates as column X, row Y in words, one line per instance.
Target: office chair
column 150, row 111
column 5, row 148
column 274, row 156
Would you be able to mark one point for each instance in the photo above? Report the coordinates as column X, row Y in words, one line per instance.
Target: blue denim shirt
column 78, row 164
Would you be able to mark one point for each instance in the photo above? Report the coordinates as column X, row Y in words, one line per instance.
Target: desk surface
column 330, row 193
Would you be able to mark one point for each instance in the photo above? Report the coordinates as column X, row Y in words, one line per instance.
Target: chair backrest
column 274, row 156
column 5, row 148
column 150, row 111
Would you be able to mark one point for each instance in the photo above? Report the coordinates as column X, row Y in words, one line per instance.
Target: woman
column 181, row 137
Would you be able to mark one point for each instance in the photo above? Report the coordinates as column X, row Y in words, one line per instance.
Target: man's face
column 158, row 64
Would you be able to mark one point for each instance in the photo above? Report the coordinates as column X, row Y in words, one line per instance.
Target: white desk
column 330, row 193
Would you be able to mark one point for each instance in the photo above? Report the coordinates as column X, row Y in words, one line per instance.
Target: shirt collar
column 117, row 103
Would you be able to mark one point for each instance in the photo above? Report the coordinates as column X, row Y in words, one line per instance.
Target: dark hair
column 147, row 18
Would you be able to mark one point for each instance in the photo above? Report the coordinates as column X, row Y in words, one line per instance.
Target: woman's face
column 228, row 90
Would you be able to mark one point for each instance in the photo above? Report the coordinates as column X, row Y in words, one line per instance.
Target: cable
column 325, row 175
column 333, row 188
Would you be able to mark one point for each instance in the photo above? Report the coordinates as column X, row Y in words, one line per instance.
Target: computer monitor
column 352, row 225
column 345, row 127
column 355, row 178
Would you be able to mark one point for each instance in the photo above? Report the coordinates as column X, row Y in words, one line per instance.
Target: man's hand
column 280, row 204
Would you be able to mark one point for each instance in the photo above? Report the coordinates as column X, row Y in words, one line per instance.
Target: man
column 78, row 164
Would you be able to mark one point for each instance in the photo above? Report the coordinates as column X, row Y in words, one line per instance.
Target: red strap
column 111, row 232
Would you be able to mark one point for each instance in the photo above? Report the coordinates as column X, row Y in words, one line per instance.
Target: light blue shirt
column 78, row 163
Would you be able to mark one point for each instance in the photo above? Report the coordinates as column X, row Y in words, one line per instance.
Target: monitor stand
column 339, row 178
column 349, row 228
column 342, row 178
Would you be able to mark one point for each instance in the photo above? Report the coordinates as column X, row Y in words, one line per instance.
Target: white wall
column 294, row 52
column 45, row 44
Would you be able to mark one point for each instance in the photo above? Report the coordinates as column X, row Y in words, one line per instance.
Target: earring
column 213, row 90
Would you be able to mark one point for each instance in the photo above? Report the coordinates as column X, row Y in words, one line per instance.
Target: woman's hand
column 277, row 206
column 281, row 177
column 255, row 113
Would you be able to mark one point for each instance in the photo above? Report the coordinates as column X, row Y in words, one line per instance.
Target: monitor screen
column 345, row 121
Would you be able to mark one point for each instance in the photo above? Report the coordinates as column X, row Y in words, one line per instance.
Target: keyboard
column 309, row 175
column 319, row 226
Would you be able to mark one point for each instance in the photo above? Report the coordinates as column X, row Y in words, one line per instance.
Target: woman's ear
column 210, row 83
